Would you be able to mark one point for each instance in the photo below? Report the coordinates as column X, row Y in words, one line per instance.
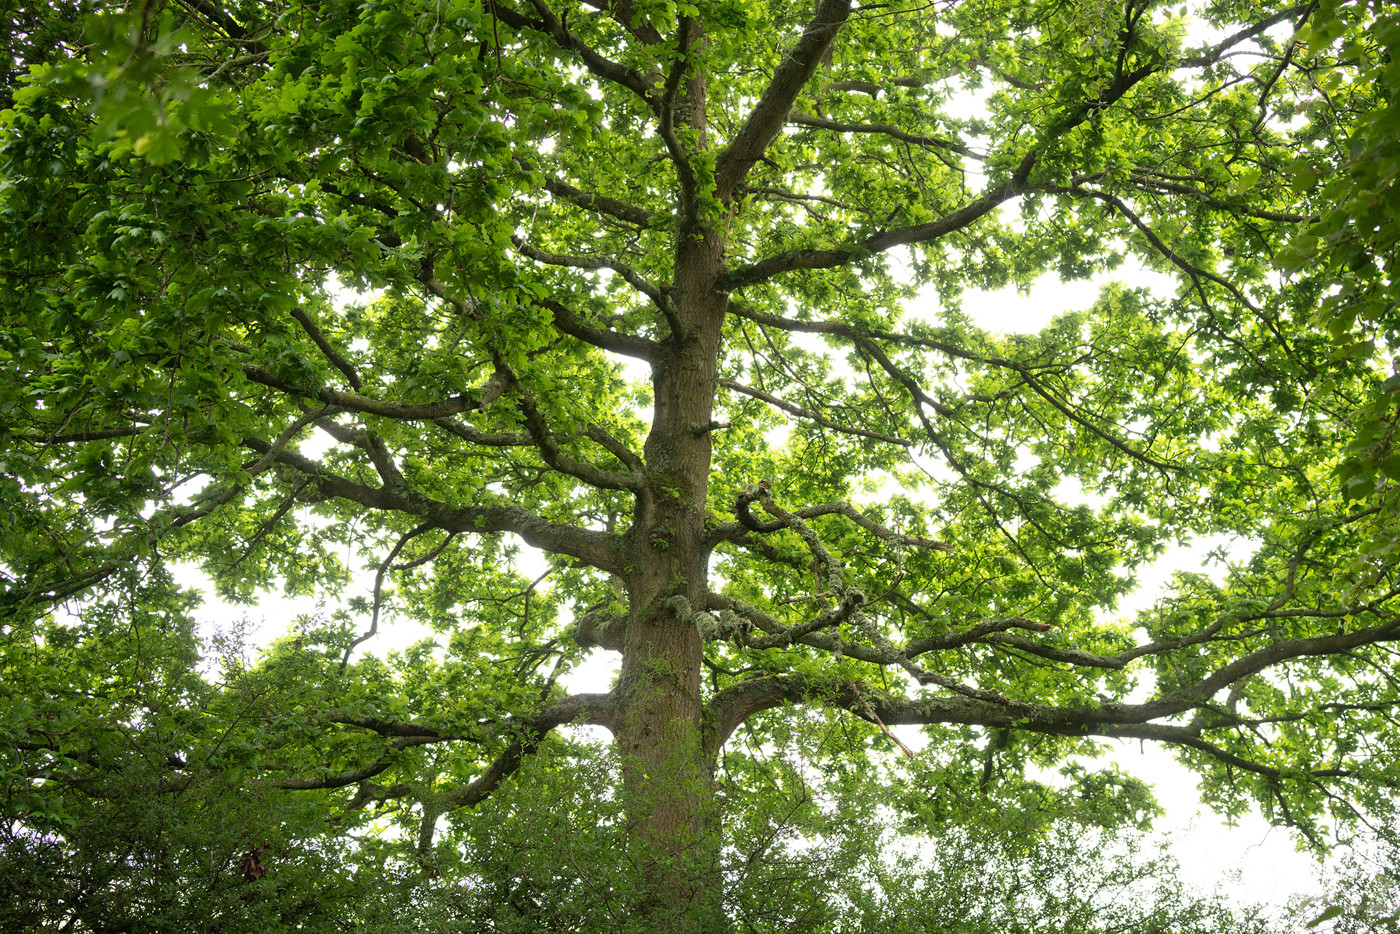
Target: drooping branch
column 526, row 733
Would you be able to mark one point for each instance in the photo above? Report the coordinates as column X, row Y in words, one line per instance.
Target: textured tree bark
column 667, row 769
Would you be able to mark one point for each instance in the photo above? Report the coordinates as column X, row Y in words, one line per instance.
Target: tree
column 1357, row 237
column 831, row 498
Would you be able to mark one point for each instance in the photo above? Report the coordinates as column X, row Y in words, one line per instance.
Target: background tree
column 1356, row 237
column 772, row 212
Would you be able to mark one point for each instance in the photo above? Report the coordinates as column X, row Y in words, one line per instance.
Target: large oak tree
column 831, row 497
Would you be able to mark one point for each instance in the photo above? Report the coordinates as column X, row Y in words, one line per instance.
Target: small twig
column 379, row 588
column 880, row 723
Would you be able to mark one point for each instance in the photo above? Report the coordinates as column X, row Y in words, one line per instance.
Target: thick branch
column 629, row 18
column 621, row 210
column 602, row 550
column 569, row 322
column 792, row 260
column 771, row 112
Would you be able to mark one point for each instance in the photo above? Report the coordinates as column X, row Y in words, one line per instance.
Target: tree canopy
column 362, row 299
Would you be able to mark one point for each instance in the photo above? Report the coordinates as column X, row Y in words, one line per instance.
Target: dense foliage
column 361, row 299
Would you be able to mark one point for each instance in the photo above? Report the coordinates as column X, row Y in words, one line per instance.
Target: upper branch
column 549, row 449
column 632, row 277
column 1217, row 51
column 882, row 129
column 355, row 402
column 767, row 268
column 816, row 417
column 630, row 19
column 212, row 13
column 771, row 112
column 597, row 64
column 732, row 531
column 568, row 321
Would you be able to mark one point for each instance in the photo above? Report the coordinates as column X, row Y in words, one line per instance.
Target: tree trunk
column 667, row 769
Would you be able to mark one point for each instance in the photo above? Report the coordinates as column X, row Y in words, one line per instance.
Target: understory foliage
column 803, row 852
column 677, row 337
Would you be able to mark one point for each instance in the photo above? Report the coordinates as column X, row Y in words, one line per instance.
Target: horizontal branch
column 580, row 708
column 603, row 550
column 729, row 531
column 798, row 118
column 593, row 709
column 355, row 402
